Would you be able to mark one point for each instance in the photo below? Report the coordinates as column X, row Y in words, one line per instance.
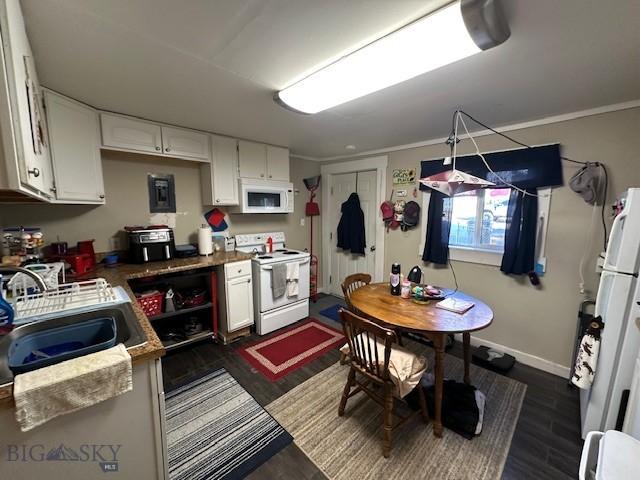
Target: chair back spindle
column 365, row 340
column 352, row 283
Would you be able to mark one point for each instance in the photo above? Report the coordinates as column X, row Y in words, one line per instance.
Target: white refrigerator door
column 615, row 294
column 622, row 377
column 624, row 241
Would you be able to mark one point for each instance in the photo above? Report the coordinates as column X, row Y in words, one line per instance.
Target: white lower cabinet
column 74, row 140
column 236, row 289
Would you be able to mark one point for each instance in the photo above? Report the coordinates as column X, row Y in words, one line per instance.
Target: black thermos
column 394, row 279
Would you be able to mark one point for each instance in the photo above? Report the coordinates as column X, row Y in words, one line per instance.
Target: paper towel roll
column 205, row 244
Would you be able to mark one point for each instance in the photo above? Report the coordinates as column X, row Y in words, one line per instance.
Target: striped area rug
column 216, row 430
column 350, row 447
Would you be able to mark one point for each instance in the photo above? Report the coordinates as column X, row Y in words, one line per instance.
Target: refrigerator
column 602, row 406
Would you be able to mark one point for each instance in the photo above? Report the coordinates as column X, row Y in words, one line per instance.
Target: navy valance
column 534, row 167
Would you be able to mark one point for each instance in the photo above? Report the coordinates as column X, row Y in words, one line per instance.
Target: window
column 478, row 219
column 478, row 223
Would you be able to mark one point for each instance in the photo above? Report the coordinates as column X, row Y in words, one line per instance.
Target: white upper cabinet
column 220, row 177
column 179, row 142
column 125, row 133
column 74, row 139
column 131, row 134
column 277, row 163
column 22, row 117
column 264, row 162
column 253, row 159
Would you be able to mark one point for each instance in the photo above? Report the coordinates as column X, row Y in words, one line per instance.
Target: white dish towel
column 67, row 387
column 293, row 278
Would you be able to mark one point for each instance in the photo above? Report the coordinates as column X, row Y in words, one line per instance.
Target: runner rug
column 289, row 349
column 216, row 430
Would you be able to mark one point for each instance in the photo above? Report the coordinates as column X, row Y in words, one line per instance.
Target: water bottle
column 394, row 279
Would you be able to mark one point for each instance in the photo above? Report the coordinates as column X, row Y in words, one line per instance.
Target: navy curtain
column 527, row 168
column 436, row 248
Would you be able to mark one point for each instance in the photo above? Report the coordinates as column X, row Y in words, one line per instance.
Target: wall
column 125, row 178
column 539, row 322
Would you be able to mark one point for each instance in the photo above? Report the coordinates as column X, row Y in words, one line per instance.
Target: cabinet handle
column 217, row 200
column 262, row 174
column 34, row 171
column 101, row 195
column 167, row 149
column 239, row 270
column 270, row 176
column 158, row 149
column 249, row 281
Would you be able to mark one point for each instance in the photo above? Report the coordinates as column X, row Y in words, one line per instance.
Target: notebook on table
column 455, row 305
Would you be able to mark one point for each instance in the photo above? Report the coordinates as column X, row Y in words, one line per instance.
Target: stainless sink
column 128, row 331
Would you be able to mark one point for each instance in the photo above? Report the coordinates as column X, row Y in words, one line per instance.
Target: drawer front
column 237, row 269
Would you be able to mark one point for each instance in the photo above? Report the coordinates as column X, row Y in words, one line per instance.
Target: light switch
column 302, row 222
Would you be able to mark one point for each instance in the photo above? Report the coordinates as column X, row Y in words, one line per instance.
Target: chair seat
column 405, row 367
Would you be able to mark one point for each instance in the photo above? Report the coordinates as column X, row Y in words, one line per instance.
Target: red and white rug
column 289, row 349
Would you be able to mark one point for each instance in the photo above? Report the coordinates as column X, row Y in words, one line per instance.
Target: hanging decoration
column 455, row 181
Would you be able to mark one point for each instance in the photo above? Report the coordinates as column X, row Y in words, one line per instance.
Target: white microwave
column 264, row 196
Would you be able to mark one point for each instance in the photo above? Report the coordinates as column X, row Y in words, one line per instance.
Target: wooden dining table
column 376, row 302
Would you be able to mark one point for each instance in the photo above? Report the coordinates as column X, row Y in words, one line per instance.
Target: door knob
column 34, row 171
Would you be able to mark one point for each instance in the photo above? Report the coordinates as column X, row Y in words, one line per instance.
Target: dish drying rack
column 51, row 274
column 67, row 296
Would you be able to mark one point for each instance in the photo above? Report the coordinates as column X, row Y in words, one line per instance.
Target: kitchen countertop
column 119, row 276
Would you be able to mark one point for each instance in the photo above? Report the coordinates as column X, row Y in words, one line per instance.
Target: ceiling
column 215, row 64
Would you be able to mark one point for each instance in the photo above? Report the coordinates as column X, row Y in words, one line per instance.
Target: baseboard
column 524, row 358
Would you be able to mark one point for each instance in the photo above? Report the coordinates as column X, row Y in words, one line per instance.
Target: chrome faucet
column 36, row 278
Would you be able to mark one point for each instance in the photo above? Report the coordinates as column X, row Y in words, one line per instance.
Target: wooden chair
column 363, row 338
column 349, row 285
column 352, row 283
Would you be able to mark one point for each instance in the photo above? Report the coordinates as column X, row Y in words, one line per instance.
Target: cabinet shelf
column 182, row 311
column 171, row 345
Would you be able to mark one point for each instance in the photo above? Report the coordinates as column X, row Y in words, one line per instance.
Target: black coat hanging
column 351, row 234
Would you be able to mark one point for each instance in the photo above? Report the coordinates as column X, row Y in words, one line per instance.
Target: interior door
column 344, row 263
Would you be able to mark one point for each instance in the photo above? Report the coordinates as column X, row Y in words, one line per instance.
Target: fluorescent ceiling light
column 431, row 42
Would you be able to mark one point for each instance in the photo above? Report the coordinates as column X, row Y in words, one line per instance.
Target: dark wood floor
column 546, row 443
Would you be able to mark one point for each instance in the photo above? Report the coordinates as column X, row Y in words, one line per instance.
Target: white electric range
column 272, row 313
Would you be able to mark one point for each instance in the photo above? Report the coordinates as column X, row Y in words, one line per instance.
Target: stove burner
column 290, row 253
column 280, row 250
column 265, row 257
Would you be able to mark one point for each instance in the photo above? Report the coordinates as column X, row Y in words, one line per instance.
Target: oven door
column 264, row 199
column 267, row 301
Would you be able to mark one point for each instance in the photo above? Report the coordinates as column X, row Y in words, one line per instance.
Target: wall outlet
column 302, row 221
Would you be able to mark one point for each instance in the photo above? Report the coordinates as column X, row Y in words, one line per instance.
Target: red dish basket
column 151, row 304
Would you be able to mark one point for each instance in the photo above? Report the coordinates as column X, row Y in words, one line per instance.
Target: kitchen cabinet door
column 239, row 303
column 220, row 177
column 252, row 157
column 123, row 133
column 25, row 99
column 74, row 140
column 277, row 163
column 179, row 142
